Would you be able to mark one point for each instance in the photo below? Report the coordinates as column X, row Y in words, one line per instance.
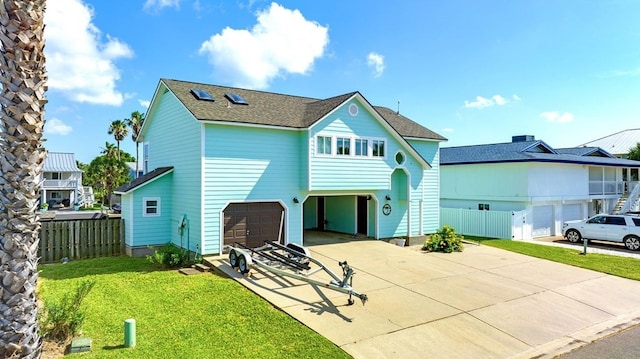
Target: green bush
column 444, row 240
column 63, row 319
column 170, row 256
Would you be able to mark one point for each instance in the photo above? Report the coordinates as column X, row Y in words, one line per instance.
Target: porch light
column 295, row 200
column 387, row 197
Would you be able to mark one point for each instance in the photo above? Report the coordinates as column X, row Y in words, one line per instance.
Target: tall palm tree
column 23, row 80
column 135, row 122
column 119, row 130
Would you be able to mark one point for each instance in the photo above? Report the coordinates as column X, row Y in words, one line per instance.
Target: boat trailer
column 293, row 261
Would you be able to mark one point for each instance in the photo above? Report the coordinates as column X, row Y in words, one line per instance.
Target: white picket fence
column 491, row 224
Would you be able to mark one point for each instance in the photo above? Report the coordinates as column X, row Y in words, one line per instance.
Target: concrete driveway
column 481, row 303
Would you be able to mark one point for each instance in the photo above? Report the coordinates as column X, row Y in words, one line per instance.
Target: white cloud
column 555, row 116
column 159, row 4
column 282, row 41
column 57, row 127
column 80, row 63
column 376, row 62
column 144, row 103
column 495, row 100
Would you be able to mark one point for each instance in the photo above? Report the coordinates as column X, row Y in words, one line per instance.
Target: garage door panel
column 542, row 221
column 252, row 223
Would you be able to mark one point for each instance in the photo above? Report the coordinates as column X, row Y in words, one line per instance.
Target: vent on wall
column 201, row 94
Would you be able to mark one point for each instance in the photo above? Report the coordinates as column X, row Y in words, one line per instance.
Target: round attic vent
column 353, row 109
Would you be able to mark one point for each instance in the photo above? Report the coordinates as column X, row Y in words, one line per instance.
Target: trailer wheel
column 242, row 265
column 233, row 258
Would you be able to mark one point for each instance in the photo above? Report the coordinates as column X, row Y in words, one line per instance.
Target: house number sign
column 386, row 209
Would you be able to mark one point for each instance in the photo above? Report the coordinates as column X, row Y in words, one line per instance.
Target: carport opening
column 338, row 218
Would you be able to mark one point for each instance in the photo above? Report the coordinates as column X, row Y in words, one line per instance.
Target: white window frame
column 352, row 140
column 357, row 146
column 322, row 153
column 346, row 143
column 146, row 206
column 145, row 157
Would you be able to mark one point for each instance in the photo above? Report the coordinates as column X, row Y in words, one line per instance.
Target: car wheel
column 573, row 236
column 632, row 243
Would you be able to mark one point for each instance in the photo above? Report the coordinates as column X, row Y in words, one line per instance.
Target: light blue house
column 225, row 165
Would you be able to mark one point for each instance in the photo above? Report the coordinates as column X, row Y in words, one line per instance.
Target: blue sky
column 474, row 71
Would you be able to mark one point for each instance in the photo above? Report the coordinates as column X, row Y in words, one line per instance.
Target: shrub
column 63, row 319
column 170, row 256
column 444, row 240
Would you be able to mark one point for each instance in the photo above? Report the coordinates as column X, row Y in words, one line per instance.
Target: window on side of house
column 343, row 146
column 323, row 145
column 151, row 207
column 56, row 175
column 362, row 147
column 377, row 148
column 56, row 195
column 145, row 157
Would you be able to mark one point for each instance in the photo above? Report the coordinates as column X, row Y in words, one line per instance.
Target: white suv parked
column 605, row 227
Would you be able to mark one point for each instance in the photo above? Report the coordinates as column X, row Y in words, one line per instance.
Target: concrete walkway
column 481, row 303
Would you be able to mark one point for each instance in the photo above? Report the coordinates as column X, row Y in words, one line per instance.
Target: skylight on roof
column 236, row 99
column 201, row 94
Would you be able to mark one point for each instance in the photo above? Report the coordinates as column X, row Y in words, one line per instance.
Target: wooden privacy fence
column 81, row 239
column 492, row 224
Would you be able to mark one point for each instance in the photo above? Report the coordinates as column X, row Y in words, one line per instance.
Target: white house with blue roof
column 225, row 165
column 550, row 185
column 62, row 182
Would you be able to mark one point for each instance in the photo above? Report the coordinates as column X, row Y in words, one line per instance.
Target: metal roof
column 618, row 143
column 529, row 151
column 142, row 180
column 60, row 162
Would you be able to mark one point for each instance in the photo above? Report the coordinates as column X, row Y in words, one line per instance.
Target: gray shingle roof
column 60, row 162
column 528, row 151
column 143, row 179
column 272, row 109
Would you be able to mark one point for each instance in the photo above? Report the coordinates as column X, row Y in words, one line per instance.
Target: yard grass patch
column 178, row 316
column 625, row 267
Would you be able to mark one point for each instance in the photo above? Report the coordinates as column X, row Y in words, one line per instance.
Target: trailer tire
column 233, row 258
column 243, row 266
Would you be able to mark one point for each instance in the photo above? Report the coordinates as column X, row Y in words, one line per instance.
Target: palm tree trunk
column 22, row 99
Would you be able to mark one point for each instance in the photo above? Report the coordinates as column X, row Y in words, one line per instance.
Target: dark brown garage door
column 252, row 223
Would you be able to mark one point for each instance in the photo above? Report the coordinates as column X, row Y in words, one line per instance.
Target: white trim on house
column 146, row 206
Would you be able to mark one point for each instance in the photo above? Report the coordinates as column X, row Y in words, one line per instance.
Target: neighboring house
column 550, row 185
column 62, row 185
column 132, row 169
column 619, row 143
column 225, row 165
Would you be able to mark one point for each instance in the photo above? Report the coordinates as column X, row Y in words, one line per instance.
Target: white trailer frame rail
column 292, row 261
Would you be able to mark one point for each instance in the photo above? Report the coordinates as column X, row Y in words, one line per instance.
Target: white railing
column 632, row 201
column 60, row 184
column 606, row 187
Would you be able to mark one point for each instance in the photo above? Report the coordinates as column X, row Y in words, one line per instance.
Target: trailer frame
column 293, row 261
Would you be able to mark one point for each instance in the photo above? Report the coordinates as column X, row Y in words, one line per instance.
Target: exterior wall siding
column 151, row 230
column 250, row 164
column 345, row 172
column 426, row 197
column 173, row 138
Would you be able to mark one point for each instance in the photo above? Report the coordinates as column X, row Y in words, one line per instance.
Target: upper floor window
column 362, row 147
column 151, row 207
column 344, row 146
column 56, row 175
column 323, row 145
column 378, row 148
column 145, row 157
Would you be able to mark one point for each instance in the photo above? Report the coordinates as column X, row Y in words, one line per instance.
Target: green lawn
column 178, row 316
column 619, row 266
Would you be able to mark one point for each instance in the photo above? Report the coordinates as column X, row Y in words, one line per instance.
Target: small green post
column 584, row 247
column 130, row 333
